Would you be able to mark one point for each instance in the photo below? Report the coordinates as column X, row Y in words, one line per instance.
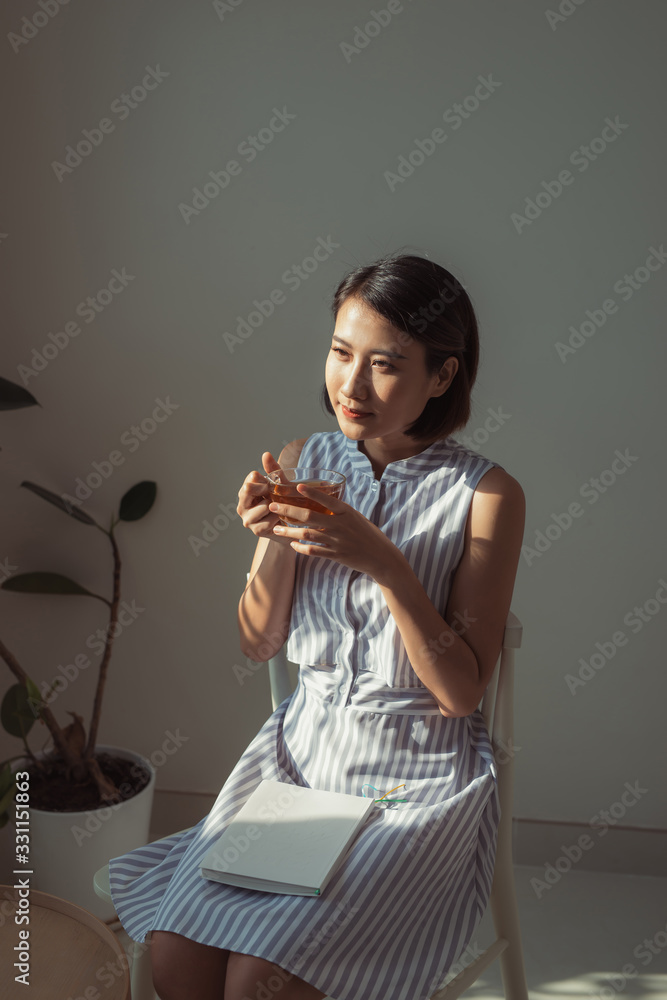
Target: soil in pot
column 53, row 791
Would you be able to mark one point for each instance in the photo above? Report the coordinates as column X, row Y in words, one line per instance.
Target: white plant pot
column 67, row 848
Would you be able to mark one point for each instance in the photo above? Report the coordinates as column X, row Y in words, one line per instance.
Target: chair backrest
column 497, row 704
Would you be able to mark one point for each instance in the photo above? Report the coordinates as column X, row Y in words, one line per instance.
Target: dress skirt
column 410, row 891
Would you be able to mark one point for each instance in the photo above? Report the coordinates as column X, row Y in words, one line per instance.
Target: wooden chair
column 497, row 707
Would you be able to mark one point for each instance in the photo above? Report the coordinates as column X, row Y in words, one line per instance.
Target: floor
column 587, row 936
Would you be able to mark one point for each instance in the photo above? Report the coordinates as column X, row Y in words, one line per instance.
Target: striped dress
column 405, row 902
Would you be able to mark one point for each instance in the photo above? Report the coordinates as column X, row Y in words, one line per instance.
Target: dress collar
column 429, row 460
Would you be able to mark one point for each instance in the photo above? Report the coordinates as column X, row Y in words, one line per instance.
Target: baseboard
column 628, row 850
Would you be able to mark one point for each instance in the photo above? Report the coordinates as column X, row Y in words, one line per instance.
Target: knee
column 183, row 968
column 249, row 977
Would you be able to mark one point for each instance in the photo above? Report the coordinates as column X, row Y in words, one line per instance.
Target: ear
column 445, row 376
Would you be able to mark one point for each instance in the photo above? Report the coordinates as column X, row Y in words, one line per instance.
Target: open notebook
column 286, row 838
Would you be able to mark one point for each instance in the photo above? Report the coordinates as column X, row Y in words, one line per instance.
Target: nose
column 356, row 385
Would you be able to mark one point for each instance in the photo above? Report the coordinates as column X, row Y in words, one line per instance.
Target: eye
column 385, row 364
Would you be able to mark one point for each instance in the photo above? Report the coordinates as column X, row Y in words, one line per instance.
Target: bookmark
column 384, row 798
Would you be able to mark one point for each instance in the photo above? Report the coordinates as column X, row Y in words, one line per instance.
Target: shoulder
column 291, row 453
column 498, row 503
column 322, row 443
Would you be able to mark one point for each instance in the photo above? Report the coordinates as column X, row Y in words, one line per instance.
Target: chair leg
column 141, row 973
column 505, row 914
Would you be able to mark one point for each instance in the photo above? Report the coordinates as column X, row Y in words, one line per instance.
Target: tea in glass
column 282, row 488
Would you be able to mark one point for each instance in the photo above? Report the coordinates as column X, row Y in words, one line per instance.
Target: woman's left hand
column 349, row 537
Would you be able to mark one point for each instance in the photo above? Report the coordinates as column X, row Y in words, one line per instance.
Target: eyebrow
column 374, row 350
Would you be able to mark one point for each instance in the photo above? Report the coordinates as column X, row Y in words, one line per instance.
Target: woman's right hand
column 253, row 506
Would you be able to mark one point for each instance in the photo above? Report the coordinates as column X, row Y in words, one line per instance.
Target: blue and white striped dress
column 406, row 900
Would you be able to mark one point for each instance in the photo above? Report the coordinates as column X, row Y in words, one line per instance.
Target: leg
column 246, row 973
column 186, row 970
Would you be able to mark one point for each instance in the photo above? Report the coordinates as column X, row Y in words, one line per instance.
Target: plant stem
column 111, row 628
column 45, row 712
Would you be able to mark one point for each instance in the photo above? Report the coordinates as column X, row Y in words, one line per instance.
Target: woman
column 396, row 619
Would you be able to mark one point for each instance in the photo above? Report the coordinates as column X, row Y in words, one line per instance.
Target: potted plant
column 87, row 802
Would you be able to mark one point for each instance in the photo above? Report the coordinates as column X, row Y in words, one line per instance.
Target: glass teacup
column 282, row 488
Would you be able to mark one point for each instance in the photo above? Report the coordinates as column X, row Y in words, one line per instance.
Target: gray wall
column 552, row 85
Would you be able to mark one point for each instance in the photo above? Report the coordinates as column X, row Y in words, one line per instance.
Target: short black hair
column 427, row 303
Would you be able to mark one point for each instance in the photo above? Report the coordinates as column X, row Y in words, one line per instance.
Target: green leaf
column 16, row 710
column 65, row 505
column 138, row 501
column 44, row 583
column 15, row 397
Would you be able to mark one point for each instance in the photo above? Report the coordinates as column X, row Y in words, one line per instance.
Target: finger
column 301, row 536
column 255, row 493
column 254, row 482
column 331, row 503
column 306, row 514
column 271, row 465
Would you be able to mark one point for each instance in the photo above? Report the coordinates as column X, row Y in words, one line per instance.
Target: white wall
column 323, row 176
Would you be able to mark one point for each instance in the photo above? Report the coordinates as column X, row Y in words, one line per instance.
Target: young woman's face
column 364, row 374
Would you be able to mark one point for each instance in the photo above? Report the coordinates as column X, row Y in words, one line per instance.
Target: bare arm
column 265, row 606
column 454, row 655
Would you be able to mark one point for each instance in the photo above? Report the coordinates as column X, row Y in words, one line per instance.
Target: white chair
column 497, row 707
